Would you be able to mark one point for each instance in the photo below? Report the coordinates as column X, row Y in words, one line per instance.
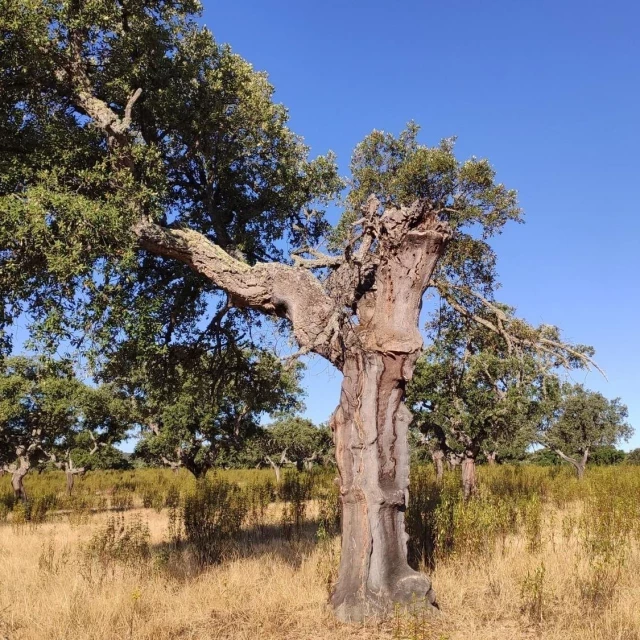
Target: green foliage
column 198, row 408
column 299, row 439
column 633, row 457
column 399, row 169
column 606, row 455
column 472, row 392
column 107, row 457
column 545, row 458
column 232, row 169
column 46, row 412
column 584, row 420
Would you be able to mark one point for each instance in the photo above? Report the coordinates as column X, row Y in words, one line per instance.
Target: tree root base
column 410, row 593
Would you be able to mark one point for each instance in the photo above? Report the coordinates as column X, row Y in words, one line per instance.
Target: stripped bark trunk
column 18, row 474
column 437, row 455
column 469, row 479
column 371, row 425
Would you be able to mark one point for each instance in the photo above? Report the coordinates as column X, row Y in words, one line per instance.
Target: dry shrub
column 212, row 517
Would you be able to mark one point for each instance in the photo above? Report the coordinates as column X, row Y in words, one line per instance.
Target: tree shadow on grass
column 287, row 543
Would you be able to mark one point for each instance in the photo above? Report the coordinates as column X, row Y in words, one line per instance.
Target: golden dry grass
column 277, row 590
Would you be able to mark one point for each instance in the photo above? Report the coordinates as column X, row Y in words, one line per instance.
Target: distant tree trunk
column 199, row 471
column 278, row 464
column 174, row 466
column 17, row 477
column 70, row 471
column 437, row 455
column 308, row 462
column 579, row 465
column 491, row 457
column 370, row 426
column 469, row 479
column 70, row 481
column 275, row 466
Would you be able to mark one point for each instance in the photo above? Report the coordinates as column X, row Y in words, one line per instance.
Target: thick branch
column 276, row 289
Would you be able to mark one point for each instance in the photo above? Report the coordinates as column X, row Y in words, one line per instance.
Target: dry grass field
column 569, row 568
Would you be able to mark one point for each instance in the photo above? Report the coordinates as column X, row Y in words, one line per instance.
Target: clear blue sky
column 548, row 91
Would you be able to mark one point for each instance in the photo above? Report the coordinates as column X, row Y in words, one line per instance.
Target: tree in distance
column 474, row 391
column 48, row 415
column 583, row 421
column 199, row 408
column 293, row 440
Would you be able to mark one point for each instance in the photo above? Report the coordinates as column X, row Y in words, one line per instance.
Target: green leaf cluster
column 46, row 410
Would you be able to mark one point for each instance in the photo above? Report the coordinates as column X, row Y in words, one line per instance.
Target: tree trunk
column 437, row 455
column 17, row 478
column 469, row 480
column 275, row 467
column 70, row 481
column 198, row 471
column 491, row 457
column 370, row 427
column 453, row 460
column 579, row 465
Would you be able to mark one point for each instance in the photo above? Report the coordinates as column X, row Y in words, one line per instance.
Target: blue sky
column 548, row 91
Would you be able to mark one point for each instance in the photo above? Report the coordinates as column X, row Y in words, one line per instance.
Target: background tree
column 584, row 420
column 293, row 440
column 474, row 392
column 197, row 407
column 145, row 170
column 46, row 413
column 633, row 457
column 606, row 455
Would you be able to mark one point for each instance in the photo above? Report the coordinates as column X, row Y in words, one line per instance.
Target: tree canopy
column 201, row 407
column 475, row 391
column 295, row 440
column 584, row 420
column 206, row 148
